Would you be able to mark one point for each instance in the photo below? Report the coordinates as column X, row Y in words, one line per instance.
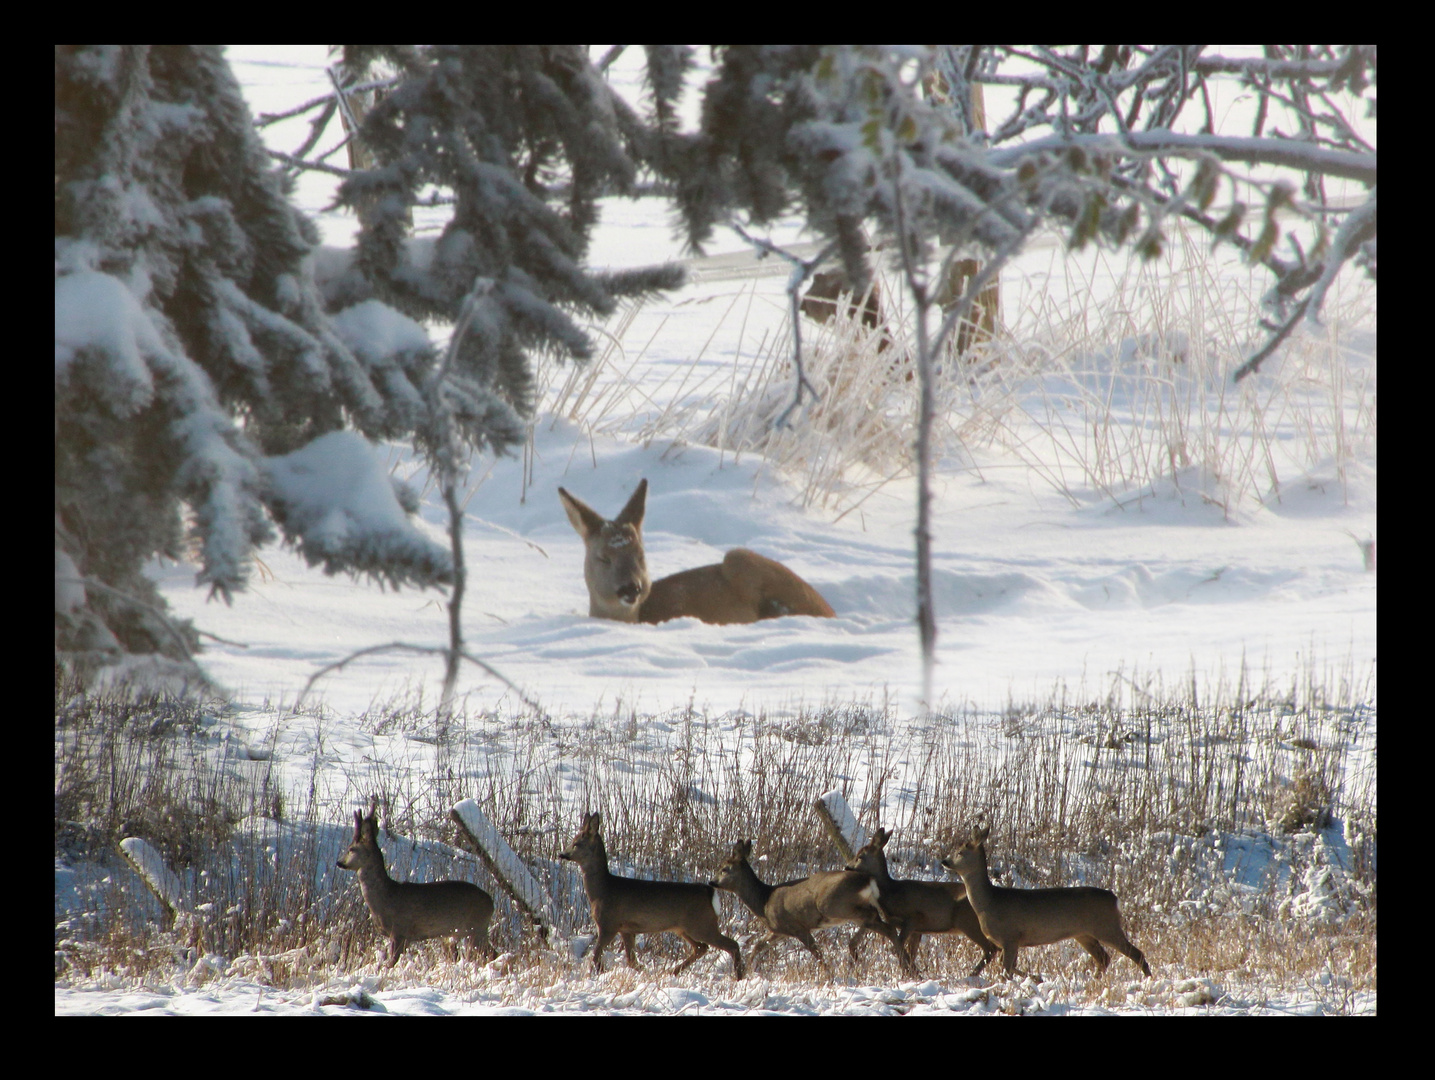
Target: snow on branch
column 1286, row 153
column 334, row 499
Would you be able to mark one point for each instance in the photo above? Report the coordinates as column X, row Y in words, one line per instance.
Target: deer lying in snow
column 743, row 588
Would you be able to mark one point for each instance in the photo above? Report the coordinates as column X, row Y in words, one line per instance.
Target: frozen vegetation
column 1155, row 663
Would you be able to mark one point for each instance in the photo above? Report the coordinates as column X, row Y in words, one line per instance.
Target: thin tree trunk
column 455, row 602
column 917, row 285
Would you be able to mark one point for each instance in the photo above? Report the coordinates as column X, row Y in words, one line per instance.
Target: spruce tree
column 202, row 389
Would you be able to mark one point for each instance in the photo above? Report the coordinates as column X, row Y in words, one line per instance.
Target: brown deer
column 743, row 588
column 631, row 906
column 828, row 290
column 796, row 908
column 1017, row 918
column 414, row 911
column 831, row 292
column 919, row 907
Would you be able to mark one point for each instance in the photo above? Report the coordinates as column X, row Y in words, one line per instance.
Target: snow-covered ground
column 693, row 996
column 1040, row 577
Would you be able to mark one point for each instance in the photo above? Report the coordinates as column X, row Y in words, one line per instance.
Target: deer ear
column 581, row 516
column 637, row 505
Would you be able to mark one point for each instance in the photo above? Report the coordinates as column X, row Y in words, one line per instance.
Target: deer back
column 744, row 588
column 825, row 898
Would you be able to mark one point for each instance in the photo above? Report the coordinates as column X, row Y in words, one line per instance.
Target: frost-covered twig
column 265, row 119
column 341, row 98
column 402, row 646
column 313, row 166
column 926, row 410
column 316, row 131
column 448, row 486
column 802, row 269
column 1287, row 153
column 1357, row 228
column 614, row 51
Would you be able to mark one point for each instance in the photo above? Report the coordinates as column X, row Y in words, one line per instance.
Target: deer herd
column 863, row 894
column 744, row 588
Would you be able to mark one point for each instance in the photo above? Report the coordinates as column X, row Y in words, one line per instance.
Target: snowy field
column 1045, row 576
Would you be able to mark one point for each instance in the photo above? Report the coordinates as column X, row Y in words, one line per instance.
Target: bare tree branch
column 1281, row 334
column 425, row 650
column 1281, row 152
column 801, row 271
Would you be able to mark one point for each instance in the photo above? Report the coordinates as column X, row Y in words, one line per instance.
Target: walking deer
column 414, row 911
column 919, row 907
column 1016, row 918
column 743, row 588
column 796, row 908
column 630, row 906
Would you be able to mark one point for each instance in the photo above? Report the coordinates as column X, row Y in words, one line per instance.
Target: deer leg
column 1092, row 946
column 885, row 929
column 987, row 954
column 1009, row 960
column 805, row 936
column 731, row 946
column 397, row 944
column 629, row 940
column 857, row 939
column 1125, row 948
column 604, row 937
column 698, row 947
column 728, row 945
column 758, row 949
column 912, row 941
column 1008, row 955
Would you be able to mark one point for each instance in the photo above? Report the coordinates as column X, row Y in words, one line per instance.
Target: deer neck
column 374, row 881
column 596, row 875
column 978, row 882
column 753, row 891
column 880, row 873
